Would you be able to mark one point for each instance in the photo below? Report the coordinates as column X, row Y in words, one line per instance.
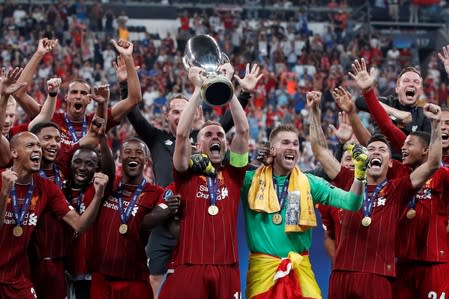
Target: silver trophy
column 203, row 51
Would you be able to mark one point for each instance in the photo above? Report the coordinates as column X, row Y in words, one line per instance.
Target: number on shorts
column 237, row 295
column 434, row 295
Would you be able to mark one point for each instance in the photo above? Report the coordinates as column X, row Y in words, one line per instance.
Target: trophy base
column 217, row 91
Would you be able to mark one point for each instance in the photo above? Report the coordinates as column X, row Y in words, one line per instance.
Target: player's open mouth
column 132, row 164
column 35, row 158
column 444, row 136
column 289, row 157
column 215, row 149
column 410, row 93
column 375, row 163
column 78, row 106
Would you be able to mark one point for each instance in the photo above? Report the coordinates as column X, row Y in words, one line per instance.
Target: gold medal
column 17, row 231
column 212, row 210
column 123, row 228
column 411, row 213
column 277, row 218
column 366, row 221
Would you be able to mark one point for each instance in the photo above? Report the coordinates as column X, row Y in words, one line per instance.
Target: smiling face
column 409, row 88
column 133, row 155
column 50, row 140
column 77, row 100
column 212, row 142
column 285, row 146
column 414, row 151
column 83, row 167
column 26, row 152
column 379, row 160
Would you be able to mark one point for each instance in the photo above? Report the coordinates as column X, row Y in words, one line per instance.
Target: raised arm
column 8, row 86
column 239, row 143
column 122, row 108
column 247, row 84
column 49, row 107
column 143, row 128
column 101, row 97
column 29, row 105
column 344, row 100
column 421, row 174
column 81, row 223
column 365, row 82
column 319, row 147
column 183, row 148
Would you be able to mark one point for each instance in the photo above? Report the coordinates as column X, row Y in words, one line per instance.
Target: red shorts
column 354, row 285
column 421, row 280
column 104, row 288
column 202, row 281
column 49, row 280
column 23, row 290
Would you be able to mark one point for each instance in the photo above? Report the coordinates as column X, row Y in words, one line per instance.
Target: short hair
column 208, row 123
column 409, row 69
column 85, row 149
column 37, row 128
column 78, row 81
column 282, row 128
column 137, row 140
column 424, row 137
column 444, row 109
column 380, row 138
column 172, row 98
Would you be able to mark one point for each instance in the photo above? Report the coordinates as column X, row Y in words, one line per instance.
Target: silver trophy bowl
column 203, row 51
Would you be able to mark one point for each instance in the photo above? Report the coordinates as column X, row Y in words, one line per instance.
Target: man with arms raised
column 75, row 121
column 208, row 214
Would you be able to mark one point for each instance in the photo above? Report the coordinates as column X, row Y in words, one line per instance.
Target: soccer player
column 423, row 242
column 75, row 121
column 206, row 257
column 121, row 271
column 279, row 200
column 28, row 195
column 49, row 243
column 161, row 143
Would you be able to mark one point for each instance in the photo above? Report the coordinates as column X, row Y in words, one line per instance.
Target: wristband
column 52, row 94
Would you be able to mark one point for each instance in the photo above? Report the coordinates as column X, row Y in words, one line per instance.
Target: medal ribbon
column 55, row 173
column 20, row 215
column 369, row 200
column 282, row 195
column 212, row 187
column 78, row 201
column 72, row 130
column 412, row 203
column 126, row 213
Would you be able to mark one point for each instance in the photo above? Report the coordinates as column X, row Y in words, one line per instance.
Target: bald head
column 18, row 140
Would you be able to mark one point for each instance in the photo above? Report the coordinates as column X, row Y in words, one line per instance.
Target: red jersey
column 66, row 136
column 331, row 216
column 205, row 239
column 81, row 244
column 424, row 237
column 372, row 249
column 14, row 263
column 49, row 238
column 123, row 255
